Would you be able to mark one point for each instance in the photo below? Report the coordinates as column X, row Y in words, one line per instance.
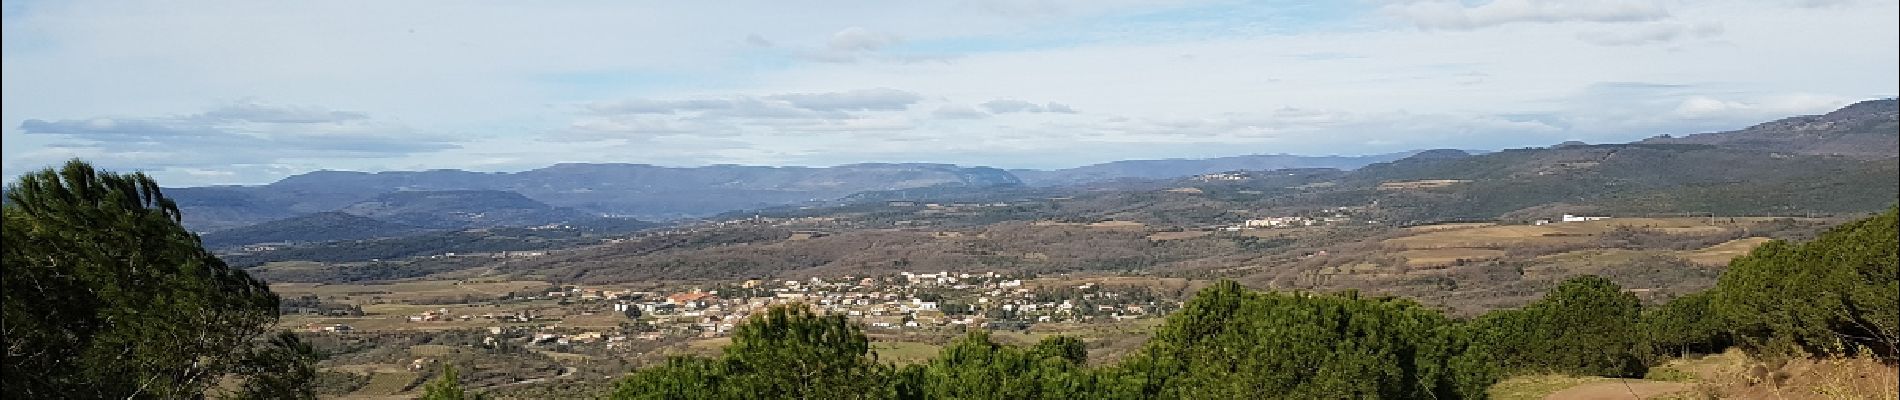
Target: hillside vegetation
column 318, row 227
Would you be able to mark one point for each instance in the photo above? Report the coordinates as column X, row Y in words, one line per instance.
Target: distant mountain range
column 1174, row 168
column 642, row 191
column 422, row 198
column 402, row 201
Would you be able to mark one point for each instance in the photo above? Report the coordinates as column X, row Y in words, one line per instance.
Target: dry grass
column 1447, row 227
column 713, row 344
column 1492, row 236
column 1447, row 256
column 1734, row 374
column 1556, row 266
column 392, row 317
column 602, row 320
column 1117, row 225
column 904, row 353
column 1537, row 387
column 1501, row 236
column 566, row 357
column 1161, row 236
column 1721, row 254
column 431, row 350
column 385, row 384
column 407, row 290
column 1563, row 387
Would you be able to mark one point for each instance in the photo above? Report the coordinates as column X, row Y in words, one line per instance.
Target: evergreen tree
column 447, row 386
column 1839, row 293
column 282, row 369
column 1586, row 326
column 679, row 378
column 1229, row 342
column 106, row 295
column 785, row 352
column 975, row 367
column 1686, row 325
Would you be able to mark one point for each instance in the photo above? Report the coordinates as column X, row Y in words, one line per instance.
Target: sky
column 246, row 92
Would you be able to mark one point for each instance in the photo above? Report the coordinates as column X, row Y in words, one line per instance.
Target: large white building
column 1577, row 218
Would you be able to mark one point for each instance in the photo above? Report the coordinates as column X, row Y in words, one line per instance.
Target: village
column 905, row 302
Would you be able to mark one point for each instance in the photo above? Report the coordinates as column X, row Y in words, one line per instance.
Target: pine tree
column 281, row 369
column 788, row 351
column 108, row 296
column 1586, row 326
column 447, row 386
column 1839, row 293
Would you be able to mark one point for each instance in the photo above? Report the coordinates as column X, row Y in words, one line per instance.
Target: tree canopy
column 1839, row 293
column 786, row 352
column 106, row 295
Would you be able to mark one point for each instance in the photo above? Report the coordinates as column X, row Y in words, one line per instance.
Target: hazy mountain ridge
column 641, row 191
column 1569, row 172
column 1173, row 168
column 1867, row 130
column 318, row 227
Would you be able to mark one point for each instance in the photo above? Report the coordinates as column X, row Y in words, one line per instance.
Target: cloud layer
column 221, row 92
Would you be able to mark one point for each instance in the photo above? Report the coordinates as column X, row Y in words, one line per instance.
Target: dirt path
column 1623, row 389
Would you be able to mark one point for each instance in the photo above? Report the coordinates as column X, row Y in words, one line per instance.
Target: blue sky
column 231, row 92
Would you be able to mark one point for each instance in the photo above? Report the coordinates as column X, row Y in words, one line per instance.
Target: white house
column 1576, row 218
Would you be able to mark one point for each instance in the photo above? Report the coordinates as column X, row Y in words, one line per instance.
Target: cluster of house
column 442, row 314
column 1333, row 216
column 498, row 254
column 330, row 328
column 908, row 300
column 1223, row 176
column 1569, row 218
column 942, row 206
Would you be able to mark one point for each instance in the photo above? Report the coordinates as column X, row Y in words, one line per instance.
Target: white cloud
column 1455, row 15
column 524, row 85
column 1653, row 33
column 883, row 99
column 238, row 136
column 958, row 111
column 1006, row 106
column 855, row 44
column 859, row 39
column 1702, row 107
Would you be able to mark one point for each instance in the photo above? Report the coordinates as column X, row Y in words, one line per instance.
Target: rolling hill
column 1175, row 168
column 458, row 209
column 317, row 227
column 1865, row 130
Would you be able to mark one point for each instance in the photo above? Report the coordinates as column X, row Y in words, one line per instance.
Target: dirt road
column 1622, row 389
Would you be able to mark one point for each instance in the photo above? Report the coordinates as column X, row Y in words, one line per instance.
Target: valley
column 537, row 292
column 981, row 200
column 574, row 303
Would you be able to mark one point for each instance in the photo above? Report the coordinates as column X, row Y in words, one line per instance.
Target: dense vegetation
column 108, row 296
column 1834, row 295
